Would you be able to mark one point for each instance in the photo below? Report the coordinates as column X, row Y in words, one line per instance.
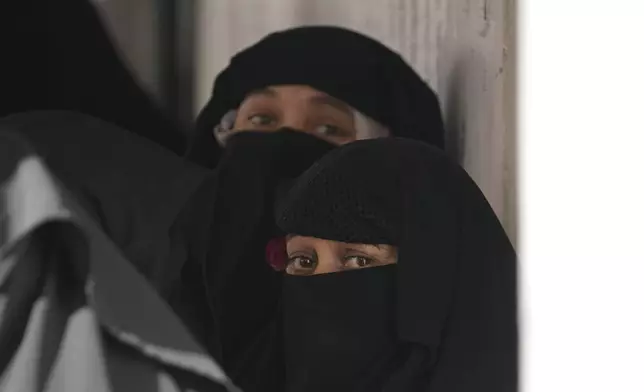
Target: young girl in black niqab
column 399, row 277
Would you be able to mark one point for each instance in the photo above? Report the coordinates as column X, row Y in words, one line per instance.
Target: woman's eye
column 355, row 262
column 261, row 120
column 331, row 131
column 300, row 265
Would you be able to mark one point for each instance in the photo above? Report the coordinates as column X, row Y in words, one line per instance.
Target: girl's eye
column 355, row 262
column 301, row 265
column 261, row 120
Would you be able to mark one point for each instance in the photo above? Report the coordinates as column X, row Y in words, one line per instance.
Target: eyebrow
column 328, row 100
column 362, row 247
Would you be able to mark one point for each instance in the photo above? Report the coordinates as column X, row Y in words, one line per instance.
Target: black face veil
column 342, row 63
column 231, row 290
column 448, row 320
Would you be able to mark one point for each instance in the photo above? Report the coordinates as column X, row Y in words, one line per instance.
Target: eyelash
column 370, row 260
column 264, row 115
column 299, row 270
column 338, row 131
column 293, row 259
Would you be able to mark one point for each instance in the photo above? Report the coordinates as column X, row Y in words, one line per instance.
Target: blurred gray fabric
column 75, row 315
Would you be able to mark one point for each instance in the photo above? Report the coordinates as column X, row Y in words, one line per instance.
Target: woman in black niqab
column 344, row 64
column 442, row 319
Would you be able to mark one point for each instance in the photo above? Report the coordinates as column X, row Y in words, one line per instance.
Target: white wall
column 463, row 48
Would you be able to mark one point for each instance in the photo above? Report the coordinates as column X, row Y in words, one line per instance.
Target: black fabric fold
column 228, row 275
column 337, row 330
column 60, row 56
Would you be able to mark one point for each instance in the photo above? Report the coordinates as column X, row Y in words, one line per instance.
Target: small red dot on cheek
column 276, row 255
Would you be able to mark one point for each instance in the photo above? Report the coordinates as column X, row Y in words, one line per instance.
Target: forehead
column 298, row 93
column 296, row 240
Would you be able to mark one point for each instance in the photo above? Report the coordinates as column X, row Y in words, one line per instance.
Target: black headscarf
column 231, row 290
column 442, row 319
column 342, row 63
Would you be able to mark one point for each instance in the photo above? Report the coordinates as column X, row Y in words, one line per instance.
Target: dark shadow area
column 454, row 112
column 58, row 56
